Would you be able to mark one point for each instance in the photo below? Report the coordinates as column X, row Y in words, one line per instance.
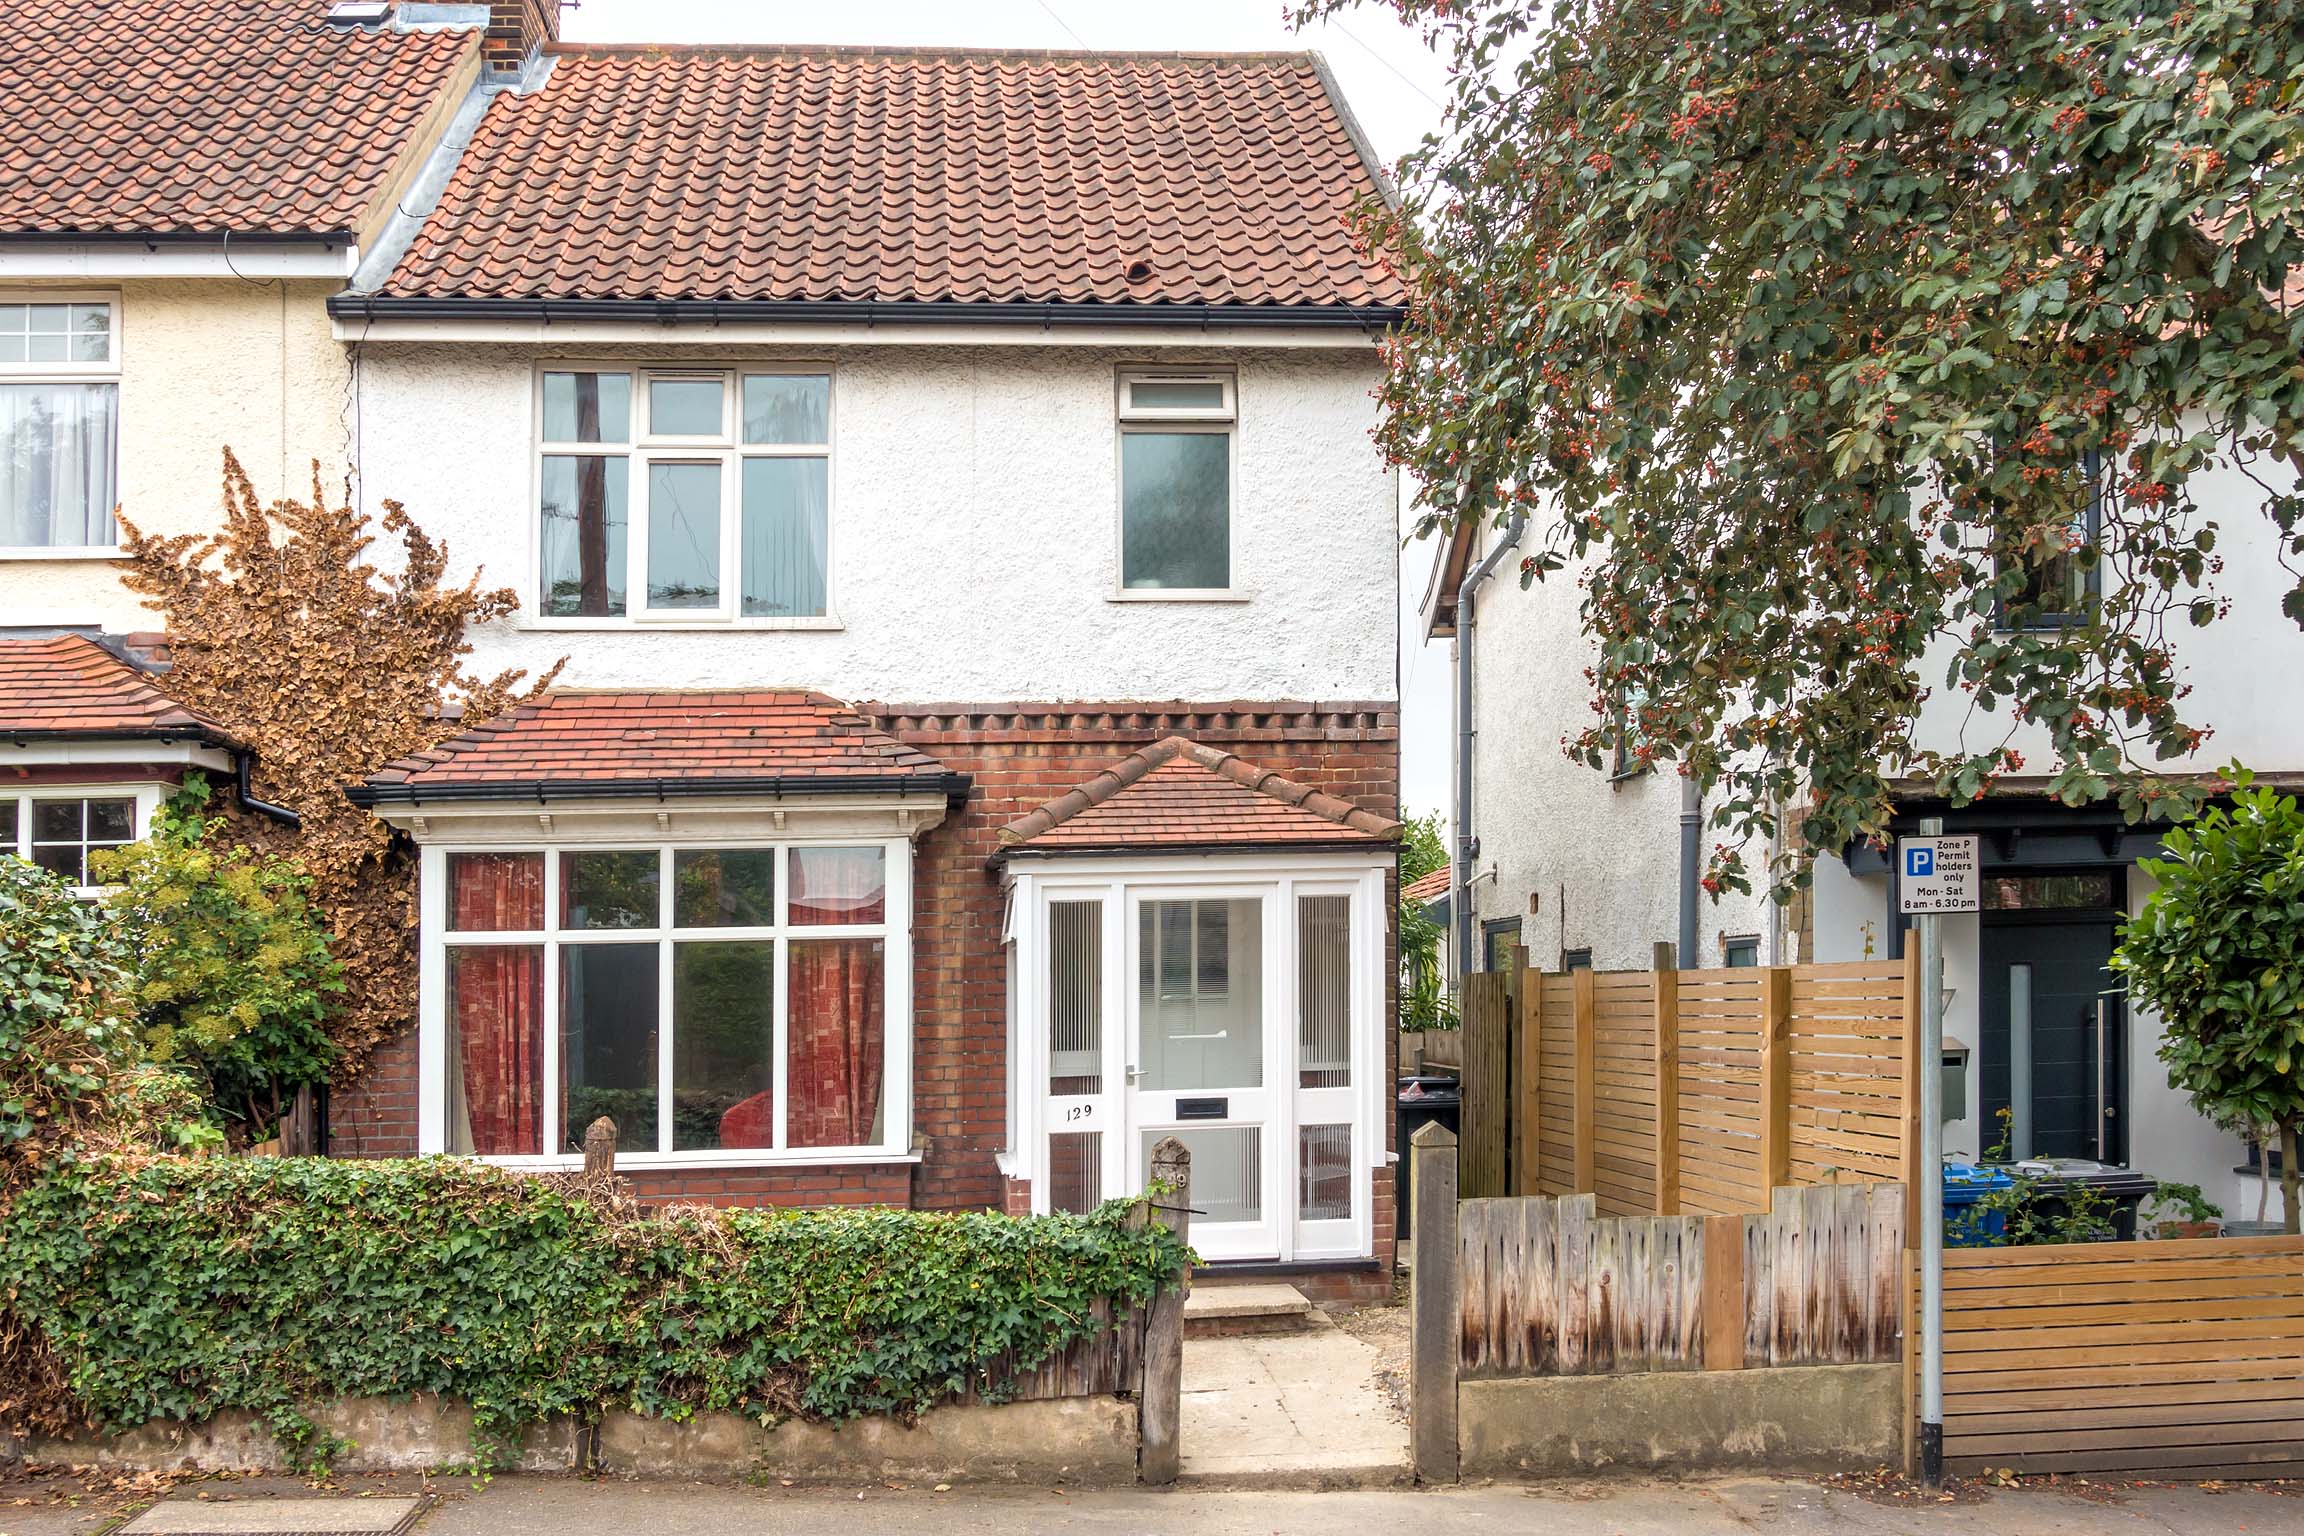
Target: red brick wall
column 1019, row 757
column 516, row 26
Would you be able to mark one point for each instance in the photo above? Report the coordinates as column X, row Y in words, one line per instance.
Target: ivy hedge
column 174, row 1288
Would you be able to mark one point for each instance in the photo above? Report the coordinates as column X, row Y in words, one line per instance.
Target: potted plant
column 2181, row 1210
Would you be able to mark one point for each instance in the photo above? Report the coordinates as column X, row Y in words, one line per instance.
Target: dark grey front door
column 2054, row 967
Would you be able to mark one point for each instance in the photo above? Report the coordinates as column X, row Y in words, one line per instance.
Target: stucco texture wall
column 974, row 528
column 205, row 364
column 1582, row 860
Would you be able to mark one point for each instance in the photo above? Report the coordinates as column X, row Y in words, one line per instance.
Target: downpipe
column 1467, row 845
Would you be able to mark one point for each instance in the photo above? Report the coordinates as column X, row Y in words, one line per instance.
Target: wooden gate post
column 1775, row 1079
column 1586, row 1043
column 1160, row 1408
column 1435, row 1334
column 1519, row 1071
column 1666, row 981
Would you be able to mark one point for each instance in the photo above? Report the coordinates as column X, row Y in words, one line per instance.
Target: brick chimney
column 517, row 27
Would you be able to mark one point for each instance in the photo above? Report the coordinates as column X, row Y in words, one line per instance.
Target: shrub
column 232, row 968
column 2214, row 952
column 67, row 1019
column 171, row 1288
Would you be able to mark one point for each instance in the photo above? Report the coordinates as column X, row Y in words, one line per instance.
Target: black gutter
column 868, row 312
column 953, row 786
column 150, row 733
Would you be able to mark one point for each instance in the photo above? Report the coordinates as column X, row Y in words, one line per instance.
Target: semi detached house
column 947, row 478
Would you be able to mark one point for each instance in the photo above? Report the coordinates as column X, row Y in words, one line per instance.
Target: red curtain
column 497, row 994
column 495, row 892
column 496, row 1002
column 837, row 1041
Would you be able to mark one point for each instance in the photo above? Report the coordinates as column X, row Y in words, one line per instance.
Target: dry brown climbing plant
column 284, row 630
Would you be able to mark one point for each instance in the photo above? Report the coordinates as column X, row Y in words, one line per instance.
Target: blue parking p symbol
column 1919, row 863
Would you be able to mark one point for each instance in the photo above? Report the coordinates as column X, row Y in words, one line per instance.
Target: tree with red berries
column 1853, row 352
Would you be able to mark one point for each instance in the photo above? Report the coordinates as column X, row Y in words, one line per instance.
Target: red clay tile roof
column 69, row 685
column 576, row 743
column 1177, row 793
column 201, row 116
column 1429, row 887
column 858, row 175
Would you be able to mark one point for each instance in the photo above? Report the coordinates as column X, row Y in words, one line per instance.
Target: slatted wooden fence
column 2176, row 1359
column 1688, row 1092
column 1550, row 1287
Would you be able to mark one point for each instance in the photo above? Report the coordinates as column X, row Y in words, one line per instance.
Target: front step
column 1225, row 1311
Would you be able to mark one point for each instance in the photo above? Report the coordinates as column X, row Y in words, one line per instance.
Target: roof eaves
column 952, row 786
column 1045, row 314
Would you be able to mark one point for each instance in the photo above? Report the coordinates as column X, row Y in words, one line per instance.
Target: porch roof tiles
column 1177, row 793
column 70, row 686
column 571, row 742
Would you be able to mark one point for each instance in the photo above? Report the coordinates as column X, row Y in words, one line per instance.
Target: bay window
column 60, row 830
column 59, row 423
column 684, row 495
column 719, row 1004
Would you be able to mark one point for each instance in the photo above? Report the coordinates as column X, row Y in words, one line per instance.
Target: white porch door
column 1207, row 1055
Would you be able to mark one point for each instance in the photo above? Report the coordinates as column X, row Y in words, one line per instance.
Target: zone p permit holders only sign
column 1937, row 874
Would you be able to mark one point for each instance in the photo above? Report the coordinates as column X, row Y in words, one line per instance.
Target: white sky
column 1395, row 86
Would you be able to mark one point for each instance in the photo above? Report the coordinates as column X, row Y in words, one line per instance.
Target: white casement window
column 678, row 495
column 1176, row 474
column 732, row 1003
column 58, row 829
column 59, row 423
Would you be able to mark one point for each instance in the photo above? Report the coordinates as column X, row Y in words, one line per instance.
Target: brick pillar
column 516, row 27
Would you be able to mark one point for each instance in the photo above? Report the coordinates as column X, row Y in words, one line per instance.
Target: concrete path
column 1289, row 1410
column 517, row 1506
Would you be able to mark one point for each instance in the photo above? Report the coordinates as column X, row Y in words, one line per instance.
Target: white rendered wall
column 205, row 364
column 974, row 529
column 1581, row 860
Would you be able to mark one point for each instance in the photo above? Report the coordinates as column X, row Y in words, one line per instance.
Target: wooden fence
column 1548, row 1287
column 2176, row 1359
column 1687, row 1092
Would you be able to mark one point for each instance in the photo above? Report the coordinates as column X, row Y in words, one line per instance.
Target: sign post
column 1935, row 874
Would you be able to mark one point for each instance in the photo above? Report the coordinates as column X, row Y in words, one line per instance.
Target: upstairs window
column 1176, row 484
column 684, row 495
column 59, row 423
column 2058, row 587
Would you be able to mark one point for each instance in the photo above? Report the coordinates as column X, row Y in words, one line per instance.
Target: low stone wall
column 1824, row 1418
column 1077, row 1441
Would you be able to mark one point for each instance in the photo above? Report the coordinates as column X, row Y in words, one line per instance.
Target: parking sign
column 1937, row 874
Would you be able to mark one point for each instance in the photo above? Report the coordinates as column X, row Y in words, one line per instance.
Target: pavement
column 538, row 1506
column 1289, row 1410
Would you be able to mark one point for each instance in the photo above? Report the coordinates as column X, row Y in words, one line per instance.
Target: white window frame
column 641, row 448
column 1223, row 421
column 895, row 930
column 1277, row 880
column 107, row 372
column 145, row 793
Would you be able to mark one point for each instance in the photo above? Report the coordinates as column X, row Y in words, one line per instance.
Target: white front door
column 1205, row 1063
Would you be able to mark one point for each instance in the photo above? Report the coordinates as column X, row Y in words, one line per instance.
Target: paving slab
column 1292, row 1410
column 1212, row 1303
column 276, row 1517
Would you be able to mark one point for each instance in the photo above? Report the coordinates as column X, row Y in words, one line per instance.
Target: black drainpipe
column 249, row 802
column 1691, row 869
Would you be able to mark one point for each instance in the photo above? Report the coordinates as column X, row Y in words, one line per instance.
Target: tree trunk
column 2289, row 1212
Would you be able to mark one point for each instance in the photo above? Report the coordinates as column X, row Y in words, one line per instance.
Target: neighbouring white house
column 947, row 478
column 1585, row 867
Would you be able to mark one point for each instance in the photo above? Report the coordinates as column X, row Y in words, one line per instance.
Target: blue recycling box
column 1965, row 1226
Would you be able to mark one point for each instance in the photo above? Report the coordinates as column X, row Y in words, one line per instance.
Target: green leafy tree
column 2216, row 951
column 232, row 971
column 1424, row 999
column 1808, row 333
